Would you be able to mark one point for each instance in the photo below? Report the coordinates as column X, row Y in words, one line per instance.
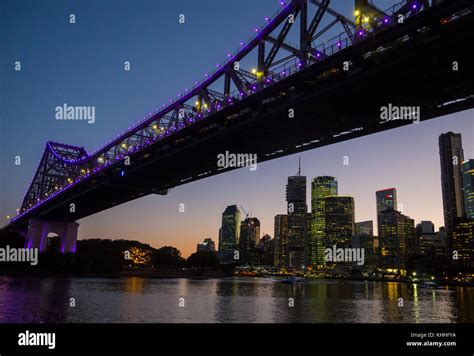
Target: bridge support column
column 38, row 231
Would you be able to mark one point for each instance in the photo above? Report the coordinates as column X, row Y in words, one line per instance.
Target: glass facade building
column 451, row 156
column 396, row 233
column 297, row 222
column 229, row 234
column 249, row 239
column 339, row 221
column 321, row 187
column 281, row 240
column 386, row 199
column 467, row 168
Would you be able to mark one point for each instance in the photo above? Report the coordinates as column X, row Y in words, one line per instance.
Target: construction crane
column 245, row 212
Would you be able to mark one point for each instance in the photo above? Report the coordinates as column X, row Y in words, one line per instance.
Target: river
column 231, row 300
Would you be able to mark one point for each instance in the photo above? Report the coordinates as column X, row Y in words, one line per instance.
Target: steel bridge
column 298, row 97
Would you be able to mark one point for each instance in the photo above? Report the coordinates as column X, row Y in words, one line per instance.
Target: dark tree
column 168, row 256
column 203, row 259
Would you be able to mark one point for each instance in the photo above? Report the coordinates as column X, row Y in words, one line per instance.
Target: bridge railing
column 341, row 41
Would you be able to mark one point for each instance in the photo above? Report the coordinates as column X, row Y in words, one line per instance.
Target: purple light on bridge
column 339, row 44
column 172, row 102
column 385, row 20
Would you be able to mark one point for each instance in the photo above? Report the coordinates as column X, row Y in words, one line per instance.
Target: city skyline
column 267, row 226
column 365, row 205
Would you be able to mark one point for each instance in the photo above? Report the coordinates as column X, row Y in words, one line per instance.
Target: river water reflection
column 232, row 300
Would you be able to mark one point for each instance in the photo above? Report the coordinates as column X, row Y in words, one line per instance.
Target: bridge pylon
column 38, row 230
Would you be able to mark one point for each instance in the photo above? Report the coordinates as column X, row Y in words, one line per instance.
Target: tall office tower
column 386, row 200
column 297, row 221
column 451, row 156
column 364, row 238
column 339, row 221
column 463, row 242
column 249, row 239
column 321, row 187
column 396, row 232
column 281, row 241
column 365, row 228
column 366, row 242
column 266, row 251
column 424, row 231
column 467, row 168
column 229, row 234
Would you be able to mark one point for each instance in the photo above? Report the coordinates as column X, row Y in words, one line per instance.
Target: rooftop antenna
column 299, row 166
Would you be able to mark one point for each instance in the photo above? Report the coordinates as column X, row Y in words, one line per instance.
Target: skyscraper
column 364, row 238
column 467, row 168
column 266, row 250
column 321, row 187
column 339, row 220
column 451, row 155
column 297, row 221
column 229, row 234
column 339, row 227
column 424, row 233
column 281, row 240
column 396, row 231
column 463, row 242
column 386, row 199
column 249, row 239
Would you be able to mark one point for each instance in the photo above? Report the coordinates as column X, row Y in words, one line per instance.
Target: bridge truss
column 64, row 166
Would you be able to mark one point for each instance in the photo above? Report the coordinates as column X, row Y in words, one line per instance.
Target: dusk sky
column 82, row 64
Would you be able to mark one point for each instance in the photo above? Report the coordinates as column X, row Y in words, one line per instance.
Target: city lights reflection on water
column 261, row 300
